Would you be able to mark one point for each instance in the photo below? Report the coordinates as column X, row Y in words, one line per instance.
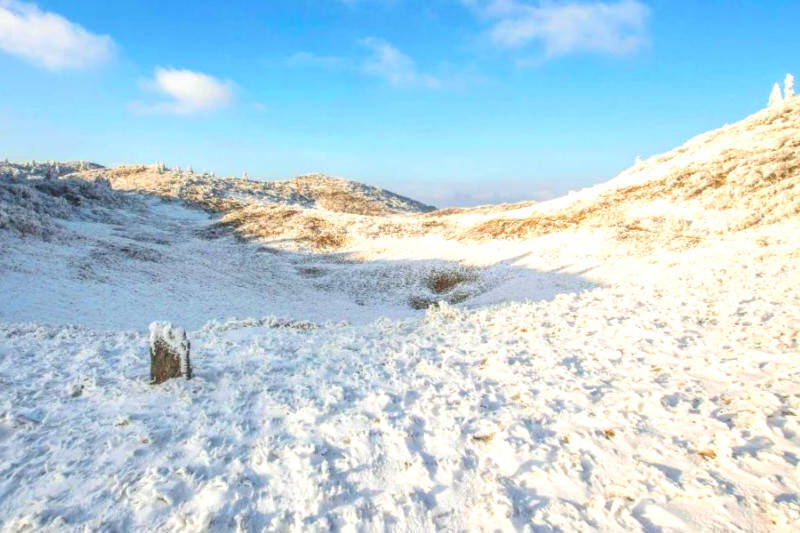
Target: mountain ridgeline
column 226, row 194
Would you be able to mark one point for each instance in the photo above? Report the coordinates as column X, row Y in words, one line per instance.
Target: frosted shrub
column 788, row 87
column 29, row 206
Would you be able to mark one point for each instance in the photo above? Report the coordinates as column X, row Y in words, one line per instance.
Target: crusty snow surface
column 578, row 387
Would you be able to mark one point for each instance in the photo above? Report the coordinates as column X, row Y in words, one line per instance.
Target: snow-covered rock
column 169, row 352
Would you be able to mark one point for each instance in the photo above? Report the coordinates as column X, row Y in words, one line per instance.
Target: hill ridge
column 314, row 190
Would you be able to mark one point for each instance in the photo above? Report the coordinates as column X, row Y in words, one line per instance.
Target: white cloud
column 562, row 28
column 49, row 40
column 395, row 67
column 187, row 91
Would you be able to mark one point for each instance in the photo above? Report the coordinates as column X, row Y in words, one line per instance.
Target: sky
column 452, row 102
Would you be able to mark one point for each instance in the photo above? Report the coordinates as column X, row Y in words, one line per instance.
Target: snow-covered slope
column 625, row 359
column 79, row 251
column 739, row 176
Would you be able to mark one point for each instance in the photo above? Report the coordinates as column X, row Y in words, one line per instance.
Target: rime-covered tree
column 788, row 87
column 775, row 96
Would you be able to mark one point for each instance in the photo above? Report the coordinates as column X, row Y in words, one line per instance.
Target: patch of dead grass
column 441, row 281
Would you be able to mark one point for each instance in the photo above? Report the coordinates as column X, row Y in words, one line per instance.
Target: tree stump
column 169, row 353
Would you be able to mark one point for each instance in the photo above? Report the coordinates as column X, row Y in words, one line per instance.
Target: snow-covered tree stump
column 169, row 353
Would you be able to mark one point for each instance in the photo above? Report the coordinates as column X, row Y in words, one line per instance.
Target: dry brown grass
column 483, row 438
column 344, row 202
column 271, row 221
column 420, row 302
column 707, row 453
column 444, row 284
column 311, row 272
column 441, row 281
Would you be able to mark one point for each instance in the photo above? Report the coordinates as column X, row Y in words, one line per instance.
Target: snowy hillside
column 208, row 191
column 621, row 359
column 737, row 177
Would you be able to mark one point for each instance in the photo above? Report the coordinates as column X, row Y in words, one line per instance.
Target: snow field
column 665, row 403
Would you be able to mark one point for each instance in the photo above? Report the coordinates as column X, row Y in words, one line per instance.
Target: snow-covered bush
column 30, row 204
column 24, row 223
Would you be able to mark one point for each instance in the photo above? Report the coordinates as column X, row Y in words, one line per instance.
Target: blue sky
column 449, row 101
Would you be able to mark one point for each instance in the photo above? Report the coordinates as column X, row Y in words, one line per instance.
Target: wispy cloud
column 49, row 40
column 562, row 28
column 187, row 92
column 382, row 60
column 394, row 66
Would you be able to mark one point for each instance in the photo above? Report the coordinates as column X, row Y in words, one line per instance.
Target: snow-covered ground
column 164, row 261
column 582, row 383
column 665, row 403
column 645, row 395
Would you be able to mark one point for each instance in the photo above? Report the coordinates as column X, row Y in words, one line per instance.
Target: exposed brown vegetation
column 707, row 453
column 420, row 302
column 441, row 281
column 270, row 221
